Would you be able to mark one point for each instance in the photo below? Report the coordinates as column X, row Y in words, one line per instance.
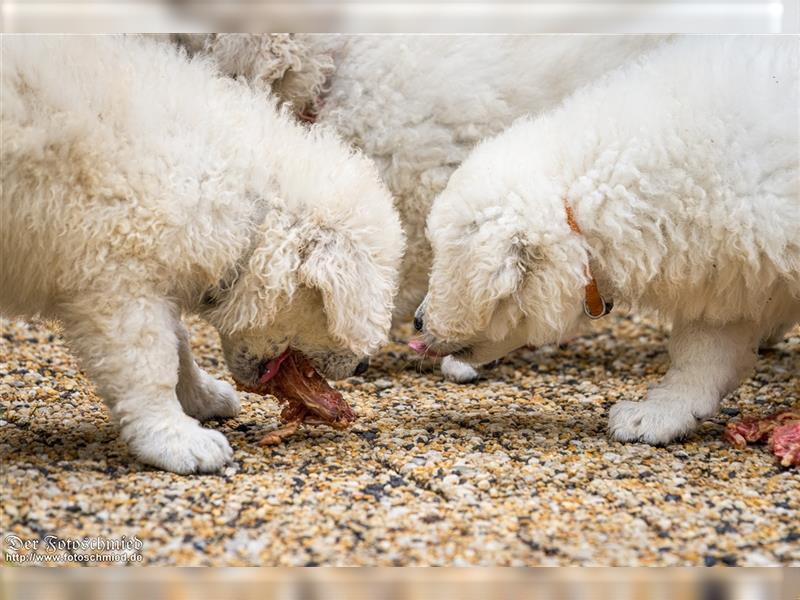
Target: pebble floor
column 515, row 469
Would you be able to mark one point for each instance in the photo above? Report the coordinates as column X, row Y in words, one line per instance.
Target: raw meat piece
column 307, row 397
column 785, row 443
column 781, row 431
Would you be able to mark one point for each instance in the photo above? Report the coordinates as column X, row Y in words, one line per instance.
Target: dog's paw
column 178, row 445
column 457, row 371
column 656, row 422
column 208, row 398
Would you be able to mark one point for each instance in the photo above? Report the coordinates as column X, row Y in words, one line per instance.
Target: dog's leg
column 457, row 371
column 707, row 363
column 130, row 350
column 201, row 395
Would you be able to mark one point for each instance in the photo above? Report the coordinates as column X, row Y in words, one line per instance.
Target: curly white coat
column 683, row 172
column 417, row 104
column 138, row 184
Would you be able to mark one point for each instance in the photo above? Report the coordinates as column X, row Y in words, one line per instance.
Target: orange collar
column 594, row 305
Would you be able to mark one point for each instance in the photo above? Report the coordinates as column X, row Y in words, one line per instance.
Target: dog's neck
column 594, row 304
column 626, row 248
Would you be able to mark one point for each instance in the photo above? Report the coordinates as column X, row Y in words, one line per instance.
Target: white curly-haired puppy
column 417, row 104
column 138, row 184
column 671, row 184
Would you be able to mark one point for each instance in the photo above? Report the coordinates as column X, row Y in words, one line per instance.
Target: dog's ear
column 357, row 282
column 357, row 288
column 477, row 269
column 516, row 257
column 265, row 277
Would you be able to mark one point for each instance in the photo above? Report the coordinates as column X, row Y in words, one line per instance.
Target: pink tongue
column 418, row 346
column 273, row 366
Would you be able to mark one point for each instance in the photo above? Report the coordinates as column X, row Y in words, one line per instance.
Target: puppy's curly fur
column 418, row 104
column 683, row 172
column 288, row 65
column 138, row 184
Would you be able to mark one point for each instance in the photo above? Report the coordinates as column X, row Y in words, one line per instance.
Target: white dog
column 671, row 184
column 137, row 185
column 417, row 105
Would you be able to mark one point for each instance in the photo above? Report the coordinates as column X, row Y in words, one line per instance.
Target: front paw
column 178, row 444
column 655, row 421
column 457, row 371
column 209, row 398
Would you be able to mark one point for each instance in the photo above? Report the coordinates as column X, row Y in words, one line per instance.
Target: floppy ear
column 476, row 267
column 502, row 281
column 264, row 279
column 357, row 290
column 516, row 259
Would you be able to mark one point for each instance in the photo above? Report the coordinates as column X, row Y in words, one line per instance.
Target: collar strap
column 594, row 305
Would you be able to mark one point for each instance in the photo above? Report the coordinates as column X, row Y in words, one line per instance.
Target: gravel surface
column 515, row 469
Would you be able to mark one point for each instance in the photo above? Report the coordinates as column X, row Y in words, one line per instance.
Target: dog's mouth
column 421, row 347
column 306, row 395
column 427, row 350
column 271, row 367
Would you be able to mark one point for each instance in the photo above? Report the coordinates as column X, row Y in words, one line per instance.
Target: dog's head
column 321, row 270
column 507, row 269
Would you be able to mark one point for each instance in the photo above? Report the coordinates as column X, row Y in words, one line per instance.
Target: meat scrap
column 305, row 394
column 785, row 443
column 781, row 431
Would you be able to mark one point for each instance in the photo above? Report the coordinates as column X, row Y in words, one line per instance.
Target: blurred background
column 402, row 584
column 464, row 16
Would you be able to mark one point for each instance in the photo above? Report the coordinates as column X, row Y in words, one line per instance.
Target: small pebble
column 515, row 469
column 382, row 384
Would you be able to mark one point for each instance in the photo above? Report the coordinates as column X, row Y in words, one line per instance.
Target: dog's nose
column 361, row 367
column 417, row 323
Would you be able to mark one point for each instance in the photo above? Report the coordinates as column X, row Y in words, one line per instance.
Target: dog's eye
column 209, row 299
column 215, row 294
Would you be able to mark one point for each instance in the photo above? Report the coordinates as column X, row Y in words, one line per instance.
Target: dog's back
column 712, row 125
column 694, row 147
column 104, row 143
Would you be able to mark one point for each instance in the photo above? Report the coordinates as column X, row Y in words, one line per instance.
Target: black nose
column 361, row 367
column 417, row 323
